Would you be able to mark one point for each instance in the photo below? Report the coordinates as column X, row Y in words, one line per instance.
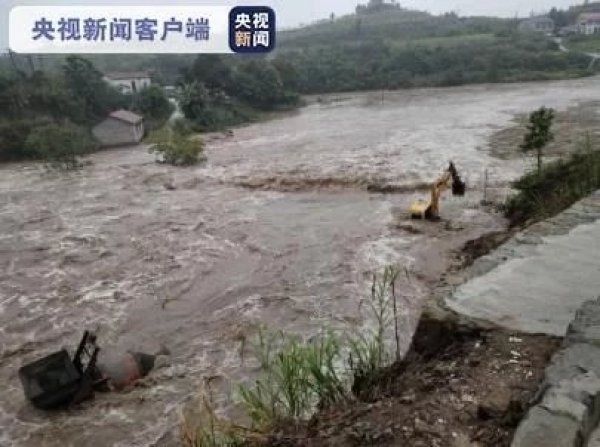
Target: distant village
column 587, row 23
column 583, row 19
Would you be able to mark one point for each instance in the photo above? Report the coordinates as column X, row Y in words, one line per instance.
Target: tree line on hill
column 381, row 64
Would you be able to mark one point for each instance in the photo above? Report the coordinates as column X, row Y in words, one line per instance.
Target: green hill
column 399, row 48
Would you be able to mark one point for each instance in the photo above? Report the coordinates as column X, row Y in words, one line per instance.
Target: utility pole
column 485, row 187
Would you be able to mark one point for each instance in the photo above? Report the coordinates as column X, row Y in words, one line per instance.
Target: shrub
column 13, row 137
column 183, row 126
column 296, row 377
column 59, row 145
column 175, row 148
column 558, row 185
column 153, row 105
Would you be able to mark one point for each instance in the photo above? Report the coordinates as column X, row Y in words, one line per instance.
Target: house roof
column 539, row 19
column 126, row 116
column 589, row 17
column 120, row 75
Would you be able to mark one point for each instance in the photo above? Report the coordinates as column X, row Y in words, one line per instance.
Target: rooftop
column 126, row 116
column 590, row 16
column 120, row 75
column 542, row 19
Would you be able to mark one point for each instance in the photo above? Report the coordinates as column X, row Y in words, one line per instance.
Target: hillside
column 392, row 24
column 382, row 47
column 398, row 48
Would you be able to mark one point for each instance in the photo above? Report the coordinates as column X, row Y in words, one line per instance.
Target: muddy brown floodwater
column 277, row 228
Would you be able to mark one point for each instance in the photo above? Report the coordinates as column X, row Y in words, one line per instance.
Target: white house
column 128, row 82
column 589, row 22
column 120, row 128
column 537, row 24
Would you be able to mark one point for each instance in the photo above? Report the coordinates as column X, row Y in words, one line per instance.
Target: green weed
column 558, row 185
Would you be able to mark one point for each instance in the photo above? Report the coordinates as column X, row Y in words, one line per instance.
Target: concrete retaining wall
column 568, row 409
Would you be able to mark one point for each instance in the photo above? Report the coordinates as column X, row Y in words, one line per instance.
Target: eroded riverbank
column 198, row 264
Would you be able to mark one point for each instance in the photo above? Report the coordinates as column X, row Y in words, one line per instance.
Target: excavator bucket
column 458, row 187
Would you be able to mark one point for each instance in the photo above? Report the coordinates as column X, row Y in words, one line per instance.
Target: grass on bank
column 300, row 376
column 556, row 186
column 583, row 43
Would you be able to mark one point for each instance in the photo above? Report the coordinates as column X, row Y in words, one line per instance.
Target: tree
column 152, row 103
column 259, row 85
column 212, row 70
column 194, row 100
column 86, row 85
column 539, row 132
column 560, row 17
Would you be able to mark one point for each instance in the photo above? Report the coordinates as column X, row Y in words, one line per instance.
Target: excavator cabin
column 429, row 209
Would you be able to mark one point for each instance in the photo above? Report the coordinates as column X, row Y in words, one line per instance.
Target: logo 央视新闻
column 252, row 29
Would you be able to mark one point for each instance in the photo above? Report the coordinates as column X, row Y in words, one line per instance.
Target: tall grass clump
column 296, row 378
column 368, row 350
column 204, row 428
column 556, row 186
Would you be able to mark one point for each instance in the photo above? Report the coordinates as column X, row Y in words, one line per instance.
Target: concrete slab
column 594, row 440
column 586, row 326
column 541, row 276
column 544, row 428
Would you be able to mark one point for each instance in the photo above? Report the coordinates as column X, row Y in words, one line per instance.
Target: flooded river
column 278, row 227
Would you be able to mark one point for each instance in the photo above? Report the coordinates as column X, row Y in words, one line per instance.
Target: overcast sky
column 294, row 12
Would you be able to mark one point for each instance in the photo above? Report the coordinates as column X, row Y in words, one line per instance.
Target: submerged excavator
column 429, row 209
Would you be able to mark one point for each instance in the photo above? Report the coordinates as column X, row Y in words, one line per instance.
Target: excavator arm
column 440, row 185
column 423, row 209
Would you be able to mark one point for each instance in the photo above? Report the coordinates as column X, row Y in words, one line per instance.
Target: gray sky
column 294, row 12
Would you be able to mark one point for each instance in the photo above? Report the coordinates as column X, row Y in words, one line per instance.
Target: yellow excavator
column 429, row 209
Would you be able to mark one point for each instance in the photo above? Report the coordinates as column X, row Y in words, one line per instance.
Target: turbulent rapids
column 281, row 226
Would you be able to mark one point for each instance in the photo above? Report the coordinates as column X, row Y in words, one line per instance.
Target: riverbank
column 469, row 378
column 457, row 386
